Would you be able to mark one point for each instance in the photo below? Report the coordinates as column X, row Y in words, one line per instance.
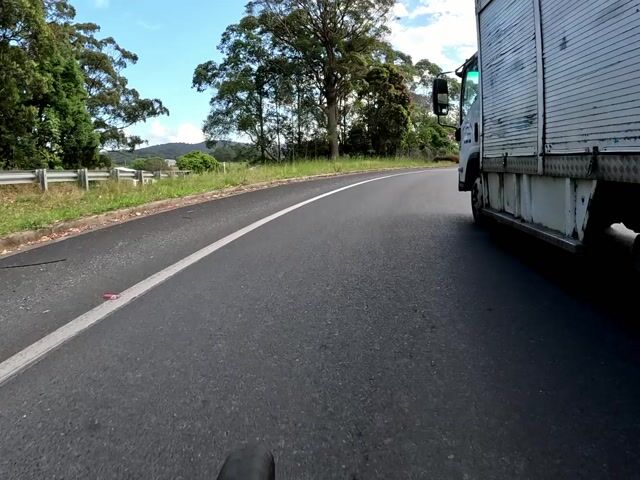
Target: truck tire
column 476, row 201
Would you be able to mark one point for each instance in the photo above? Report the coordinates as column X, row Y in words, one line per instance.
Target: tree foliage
column 303, row 78
column 261, row 91
column 43, row 117
column 62, row 92
column 112, row 103
column 333, row 38
column 387, row 110
column 241, row 82
column 197, row 162
column 427, row 137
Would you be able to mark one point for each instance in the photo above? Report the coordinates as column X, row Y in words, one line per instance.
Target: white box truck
column 550, row 117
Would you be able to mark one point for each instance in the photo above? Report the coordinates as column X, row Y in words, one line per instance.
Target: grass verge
column 26, row 208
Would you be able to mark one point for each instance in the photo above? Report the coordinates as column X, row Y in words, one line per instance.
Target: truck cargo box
column 560, row 77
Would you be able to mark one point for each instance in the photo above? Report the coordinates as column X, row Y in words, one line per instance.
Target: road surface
column 373, row 333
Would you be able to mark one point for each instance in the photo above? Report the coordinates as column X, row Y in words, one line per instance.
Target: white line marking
column 38, row 350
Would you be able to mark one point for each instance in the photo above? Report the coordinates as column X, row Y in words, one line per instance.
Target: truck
column 549, row 117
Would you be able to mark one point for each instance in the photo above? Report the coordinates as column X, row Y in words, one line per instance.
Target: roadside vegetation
column 64, row 96
column 26, row 208
column 301, row 78
column 295, row 80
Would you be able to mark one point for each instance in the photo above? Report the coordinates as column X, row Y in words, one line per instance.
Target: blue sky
column 172, row 37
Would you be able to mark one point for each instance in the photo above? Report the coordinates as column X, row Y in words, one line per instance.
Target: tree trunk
column 277, row 101
column 332, row 123
column 343, row 122
column 299, row 139
column 263, row 158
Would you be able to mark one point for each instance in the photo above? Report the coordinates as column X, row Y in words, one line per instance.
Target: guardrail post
column 115, row 174
column 140, row 177
column 83, row 178
column 41, row 173
column 224, row 167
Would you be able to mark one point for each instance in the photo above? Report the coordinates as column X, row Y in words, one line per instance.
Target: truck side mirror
column 440, row 97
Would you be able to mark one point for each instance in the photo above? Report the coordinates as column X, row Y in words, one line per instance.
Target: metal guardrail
column 83, row 176
column 62, row 176
column 16, row 178
column 99, row 176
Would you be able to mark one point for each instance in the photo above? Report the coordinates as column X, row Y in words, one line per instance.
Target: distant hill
column 173, row 150
column 224, row 151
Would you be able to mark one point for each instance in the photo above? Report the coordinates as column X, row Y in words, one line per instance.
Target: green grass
column 26, row 208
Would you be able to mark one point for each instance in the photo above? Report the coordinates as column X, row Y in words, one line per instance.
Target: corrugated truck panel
column 592, row 74
column 509, row 78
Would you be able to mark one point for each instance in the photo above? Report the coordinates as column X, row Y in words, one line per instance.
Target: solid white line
column 38, row 350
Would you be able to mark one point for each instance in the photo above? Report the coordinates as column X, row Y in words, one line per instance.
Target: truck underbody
column 567, row 210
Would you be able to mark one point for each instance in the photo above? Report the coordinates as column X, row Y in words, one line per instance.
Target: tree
column 282, row 68
column 62, row 93
column 22, row 39
column 261, row 91
column 113, row 105
column 43, row 115
column 306, row 118
column 332, row 37
column 425, row 73
column 240, row 82
column 383, row 113
column 387, row 110
column 235, row 152
column 358, row 140
column 197, row 162
column 66, row 129
column 427, row 136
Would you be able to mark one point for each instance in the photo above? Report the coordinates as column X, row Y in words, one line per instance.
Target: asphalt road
column 375, row 333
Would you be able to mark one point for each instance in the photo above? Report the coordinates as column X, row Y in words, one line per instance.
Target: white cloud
column 188, row 133
column 156, row 133
column 400, row 10
column 446, row 36
column 101, row 3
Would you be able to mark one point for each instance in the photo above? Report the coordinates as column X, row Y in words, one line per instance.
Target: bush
column 138, row 164
column 104, row 161
column 197, row 162
column 151, row 164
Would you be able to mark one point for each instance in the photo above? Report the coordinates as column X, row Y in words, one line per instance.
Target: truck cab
column 468, row 133
column 468, row 130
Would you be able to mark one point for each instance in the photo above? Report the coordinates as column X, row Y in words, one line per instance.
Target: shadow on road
column 604, row 279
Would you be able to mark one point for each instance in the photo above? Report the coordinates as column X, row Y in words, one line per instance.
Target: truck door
column 469, row 126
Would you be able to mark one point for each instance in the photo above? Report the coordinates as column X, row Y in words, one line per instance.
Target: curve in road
column 373, row 334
